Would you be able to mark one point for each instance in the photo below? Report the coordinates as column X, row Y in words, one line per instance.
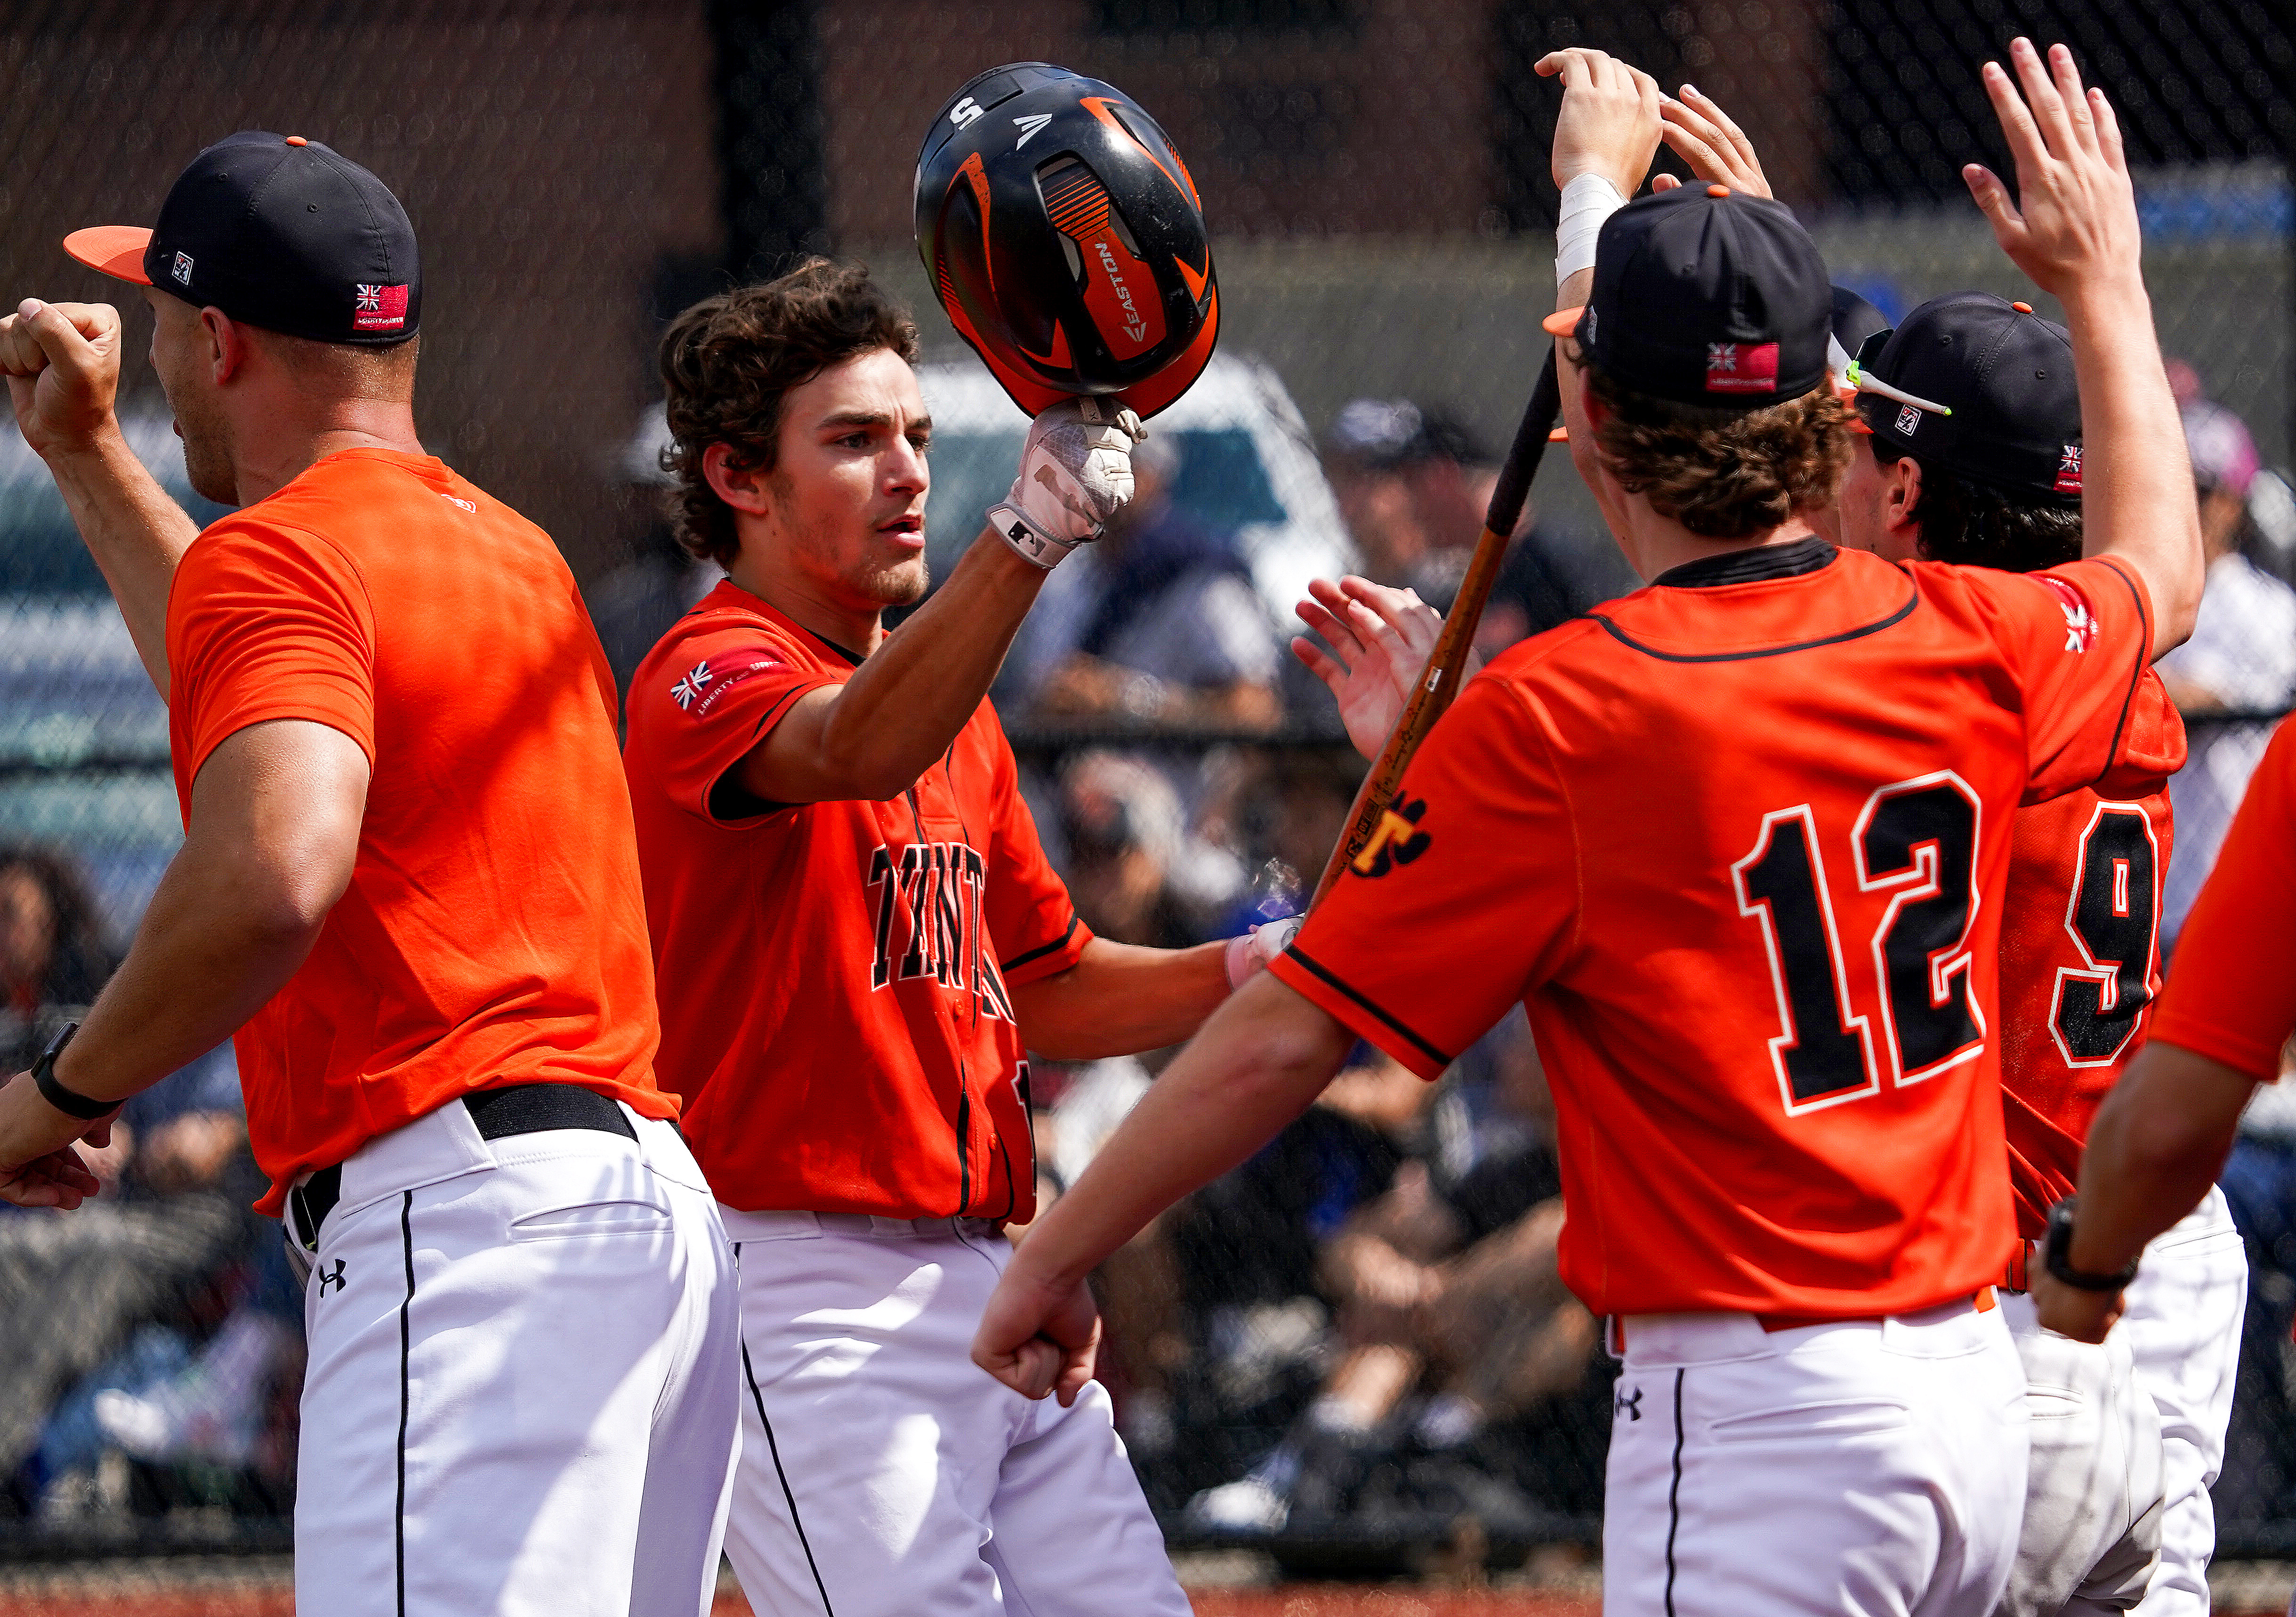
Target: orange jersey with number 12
column 1739, row 842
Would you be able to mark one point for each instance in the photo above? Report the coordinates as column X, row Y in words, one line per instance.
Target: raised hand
column 2074, row 216
column 1608, row 124
column 62, row 365
column 1381, row 638
column 1702, row 135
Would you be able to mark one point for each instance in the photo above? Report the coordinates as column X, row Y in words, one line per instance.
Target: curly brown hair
column 1723, row 474
column 729, row 361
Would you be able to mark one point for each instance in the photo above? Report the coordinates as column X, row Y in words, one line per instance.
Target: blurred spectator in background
column 1158, row 623
column 52, row 954
column 1451, row 1315
column 1415, row 487
column 1136, row 874
column 2241, row 657
column 173, row 1225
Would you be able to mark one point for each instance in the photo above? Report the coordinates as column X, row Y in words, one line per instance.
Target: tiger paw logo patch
column 1395, row 840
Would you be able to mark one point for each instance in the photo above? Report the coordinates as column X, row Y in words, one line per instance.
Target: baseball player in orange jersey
column 857, row 936
column 409, row 890
column 2079, row 930
column 1762, row 972
column 1994, row 478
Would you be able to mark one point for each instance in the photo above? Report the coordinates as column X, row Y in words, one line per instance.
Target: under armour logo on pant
column 334, row 1280
column 1620, row 1404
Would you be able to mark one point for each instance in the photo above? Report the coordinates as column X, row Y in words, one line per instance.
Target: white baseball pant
column 1872, row 1468
column 2091, row 1537
column 524, row 1376
column 883, row 1472
column 2182, row 1325
column 2180, row 1334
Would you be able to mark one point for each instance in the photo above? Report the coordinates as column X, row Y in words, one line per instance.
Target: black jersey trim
column 1009, row 966
column 1764, row 562
column 1859, row 633
column 2141, row 661
column 739, row 803
column 1326, row 975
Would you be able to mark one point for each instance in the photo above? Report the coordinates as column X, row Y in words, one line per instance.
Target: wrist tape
column 1587, row 201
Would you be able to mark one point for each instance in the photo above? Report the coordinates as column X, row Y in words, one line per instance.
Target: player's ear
column 734, row 480
column 1901, row 504
column 225, row 345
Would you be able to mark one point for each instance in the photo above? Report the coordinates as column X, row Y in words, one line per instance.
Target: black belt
column 514, row 1109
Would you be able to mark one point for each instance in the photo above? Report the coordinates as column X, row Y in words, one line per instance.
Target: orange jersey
column 2231, row 994
column 1739, row 842
column 2081, row 954
column 494, row 930
column 833, row 976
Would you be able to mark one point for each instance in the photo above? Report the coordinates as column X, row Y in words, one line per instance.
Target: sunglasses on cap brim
column 1863, row 381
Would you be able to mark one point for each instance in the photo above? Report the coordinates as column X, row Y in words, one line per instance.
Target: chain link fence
column 1354, row 1347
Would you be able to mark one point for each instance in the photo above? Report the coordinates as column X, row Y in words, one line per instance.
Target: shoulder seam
column 2143, row 660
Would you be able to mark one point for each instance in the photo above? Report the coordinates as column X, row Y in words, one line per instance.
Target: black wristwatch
column 44, row 1075
column 2057, row 1254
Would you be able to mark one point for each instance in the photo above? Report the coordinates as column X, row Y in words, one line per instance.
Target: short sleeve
column 710, row 700
column 2231, row 995
column 2078, row 639
column 1032, row 921
column 1464, row 901
column 267, row 623
column 2154, row 749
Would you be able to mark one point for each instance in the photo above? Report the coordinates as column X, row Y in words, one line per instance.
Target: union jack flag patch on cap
column 1742, row 367
column 378, row 309
column 2069, row 470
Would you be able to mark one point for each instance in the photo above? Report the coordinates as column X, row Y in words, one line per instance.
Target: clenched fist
column 62, row 365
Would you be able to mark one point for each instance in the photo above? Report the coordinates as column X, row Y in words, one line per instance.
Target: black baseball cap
column 279, row 231
column 1706, row 296
column 1981, row 387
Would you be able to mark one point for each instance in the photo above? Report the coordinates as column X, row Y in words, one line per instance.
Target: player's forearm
column 2156, row 1146
column 1259, row 1063
column 1119, row 999
column 134, row 531
column 2136, row 483
column 205, row 960
column 268, row 849
column 885, row 725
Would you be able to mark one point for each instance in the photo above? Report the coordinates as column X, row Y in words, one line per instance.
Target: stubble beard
column 207, row 456
column 901, row 583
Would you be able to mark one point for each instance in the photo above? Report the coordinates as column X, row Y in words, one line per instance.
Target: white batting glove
column 1250, row 954
column 1075, row 473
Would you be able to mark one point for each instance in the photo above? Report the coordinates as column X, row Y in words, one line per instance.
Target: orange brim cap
column 1562, row 322
column 116, row 250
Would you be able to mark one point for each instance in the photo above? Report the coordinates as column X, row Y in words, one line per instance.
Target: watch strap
column 2056, row 1255
column 68, row 1102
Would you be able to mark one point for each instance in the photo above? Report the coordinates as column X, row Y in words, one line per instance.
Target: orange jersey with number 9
column 1739, row 842
column 2081, row 954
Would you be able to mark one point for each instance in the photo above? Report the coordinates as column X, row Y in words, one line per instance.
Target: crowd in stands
column 1362, row 1323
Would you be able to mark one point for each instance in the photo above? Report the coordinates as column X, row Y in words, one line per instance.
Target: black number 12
column 1917, row 840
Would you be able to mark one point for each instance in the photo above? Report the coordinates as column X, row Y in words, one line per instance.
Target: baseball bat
column 1440, row 681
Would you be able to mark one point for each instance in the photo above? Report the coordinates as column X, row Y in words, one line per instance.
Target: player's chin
column 899, row 583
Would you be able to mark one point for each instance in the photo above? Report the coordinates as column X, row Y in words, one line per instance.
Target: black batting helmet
column 1065, row 238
